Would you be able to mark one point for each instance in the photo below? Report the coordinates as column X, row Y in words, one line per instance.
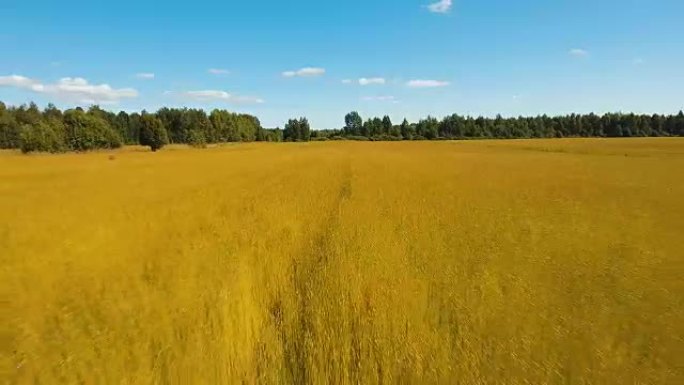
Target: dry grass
column 537, row 262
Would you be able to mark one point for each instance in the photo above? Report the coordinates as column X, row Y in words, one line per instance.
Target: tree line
column 466, row 127
column 29, row 128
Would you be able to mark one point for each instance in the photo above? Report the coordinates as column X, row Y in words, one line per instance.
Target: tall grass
column 448, row 263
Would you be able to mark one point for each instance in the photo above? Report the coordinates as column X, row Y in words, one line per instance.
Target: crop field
column 472, row 262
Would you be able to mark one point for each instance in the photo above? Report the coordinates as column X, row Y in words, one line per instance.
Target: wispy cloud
column 368, row 81
column 365, row 81
column 217, row 95
column 305, row 72
column 638, row 61
column 387, row 98
column 72, row 89
column 578, row 52
column 218, row 71
column 442, row 6
column 145, row 75
column 421, row 83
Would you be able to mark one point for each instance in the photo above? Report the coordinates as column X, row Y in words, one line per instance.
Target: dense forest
column 51, row 130
column 464, row 127
column 29, row 128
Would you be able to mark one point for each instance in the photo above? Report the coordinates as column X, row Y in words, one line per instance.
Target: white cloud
column 442, row 6
column 218, row 95
column 305, row 72
column 347, row 81
column 578, row 52
column 379, row 99
column 18, row 81
column 145, row 75
column 80, row 89
column 218, row 71
column 419, row 83
column 367, row 81
column 73, row 89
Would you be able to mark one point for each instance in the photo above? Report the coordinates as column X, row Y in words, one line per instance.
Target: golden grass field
column 479, row 262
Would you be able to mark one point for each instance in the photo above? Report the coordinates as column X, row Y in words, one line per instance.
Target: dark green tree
column 85, row 131
column 386, row 125
column 10, row 129
column 291, row 130
column 428, row 128
column 406, row 130
column 304, row 129
column 152, row 132
column 353, row 123
column 297, row 130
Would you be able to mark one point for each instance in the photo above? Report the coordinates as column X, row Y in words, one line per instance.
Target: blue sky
column 322, row 59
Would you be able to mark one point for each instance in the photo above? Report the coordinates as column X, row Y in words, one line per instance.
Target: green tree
column 428, row 128
column 42, row 137
column 51, row 112
column 297, row 130
column 198, row 120
column 406, row 131
column 248, row 126
column 121, row 125
column 291, row 130
column 376, row 127
column 386, row 125
column 10, row 129
column 226, row 125
column 353, row 123
column 274, row 135
column 152, row 132
column 395, row 132
column 88, row 131
column 197, row 139
column 304, row 129
column 175, row 122
column 28, row 114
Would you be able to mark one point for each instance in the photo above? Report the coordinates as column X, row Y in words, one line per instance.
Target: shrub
column 384, row 138
column 197, row 139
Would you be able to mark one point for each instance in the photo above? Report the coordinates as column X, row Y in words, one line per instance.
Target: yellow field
column 480, row 262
